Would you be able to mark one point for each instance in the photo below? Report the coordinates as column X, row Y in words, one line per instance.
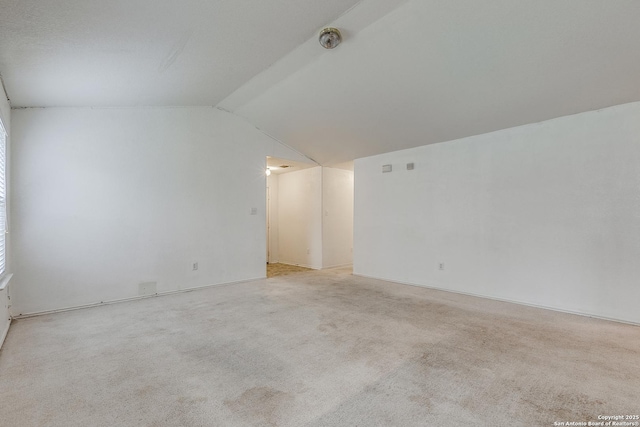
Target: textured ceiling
column 408, row 73
column 147, row 52
column 437, row 70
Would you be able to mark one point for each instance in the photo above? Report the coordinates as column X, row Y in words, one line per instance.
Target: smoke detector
column 330, row 38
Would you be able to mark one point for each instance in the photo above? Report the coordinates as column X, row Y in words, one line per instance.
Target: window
column 3, row 198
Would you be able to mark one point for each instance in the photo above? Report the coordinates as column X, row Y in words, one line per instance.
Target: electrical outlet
column 308, row 251
column 195, row 266
column 441, row 266
column 254, row 211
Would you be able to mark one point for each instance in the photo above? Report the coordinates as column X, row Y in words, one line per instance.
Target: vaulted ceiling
column 408, row 73
column 147, row 52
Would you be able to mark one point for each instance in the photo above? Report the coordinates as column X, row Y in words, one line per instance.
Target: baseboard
column 338, row 266
column 5, row 333
column 297, row 265
column 315, row 268
column 136, row 298
column 524, row 303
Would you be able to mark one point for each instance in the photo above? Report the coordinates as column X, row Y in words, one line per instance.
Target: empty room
column 336, row 213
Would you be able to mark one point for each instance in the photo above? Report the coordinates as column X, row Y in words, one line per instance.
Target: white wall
column 545, row 214
column 337, row 220
column 5, row 320
column 272, row 220
column 315, row 216
column 300, row 217
column 107, row 199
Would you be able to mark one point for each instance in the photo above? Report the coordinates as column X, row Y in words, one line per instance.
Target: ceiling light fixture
column 330, row 38
column 268, row 172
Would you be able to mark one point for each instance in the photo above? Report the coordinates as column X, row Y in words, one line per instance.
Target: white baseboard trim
column 297, row 265
column 117, row 301
column 337, row 266
column 560, row 310
column 315, row 268
column 5, row 333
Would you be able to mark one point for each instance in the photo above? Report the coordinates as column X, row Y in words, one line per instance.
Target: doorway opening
column 309, row 217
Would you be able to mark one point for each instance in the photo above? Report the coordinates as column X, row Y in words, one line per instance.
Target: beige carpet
column 316, row 349
column 278, row 269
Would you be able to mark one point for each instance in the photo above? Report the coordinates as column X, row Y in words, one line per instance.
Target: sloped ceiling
column 437, row 70
column 408, row 73
column 147, row 52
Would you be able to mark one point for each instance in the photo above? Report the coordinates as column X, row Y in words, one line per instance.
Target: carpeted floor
column 322, row 348
column 278, row 269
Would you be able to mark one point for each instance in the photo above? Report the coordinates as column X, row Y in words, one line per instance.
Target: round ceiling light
column 330, row 38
